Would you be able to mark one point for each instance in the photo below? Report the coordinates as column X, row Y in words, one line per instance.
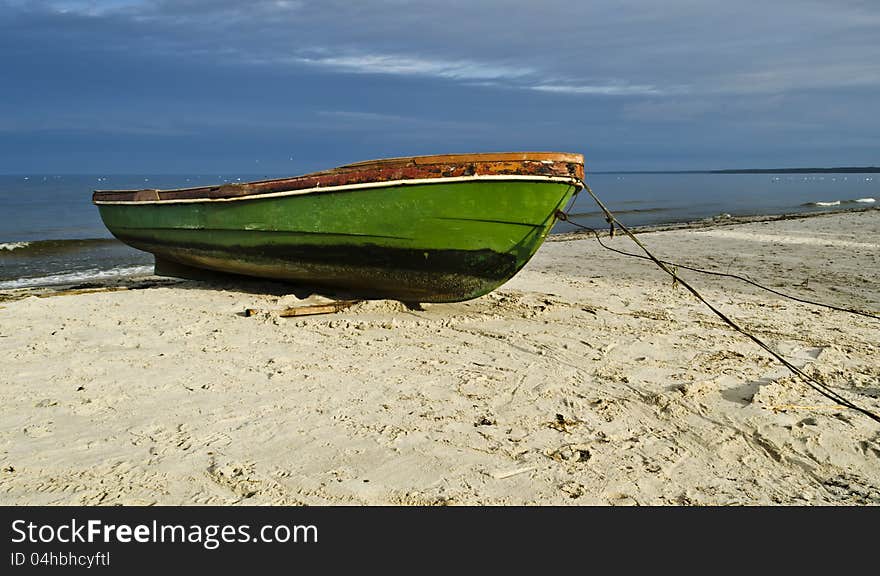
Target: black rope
column 809, row 380
column 564, row 217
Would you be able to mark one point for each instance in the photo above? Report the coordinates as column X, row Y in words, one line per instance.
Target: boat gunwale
column 471, row 157
column 387, row 172
column 570, row 180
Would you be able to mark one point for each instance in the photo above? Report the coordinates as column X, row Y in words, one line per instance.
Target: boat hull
column 428, row 242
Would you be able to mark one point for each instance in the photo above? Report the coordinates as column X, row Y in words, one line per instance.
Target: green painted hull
column 433, row 242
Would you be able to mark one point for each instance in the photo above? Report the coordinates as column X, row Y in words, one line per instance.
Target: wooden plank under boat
column 441, row 228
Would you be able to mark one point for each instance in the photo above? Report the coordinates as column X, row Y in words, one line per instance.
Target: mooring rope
column 716, row 273
column 812, row 382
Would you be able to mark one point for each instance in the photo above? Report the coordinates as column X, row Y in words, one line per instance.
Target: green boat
column 442, row 228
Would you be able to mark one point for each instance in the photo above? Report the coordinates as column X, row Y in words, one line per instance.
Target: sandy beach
column 588, row 379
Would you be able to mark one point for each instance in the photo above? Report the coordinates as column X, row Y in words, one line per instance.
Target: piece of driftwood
column 82, row 291
column 322, row 308
column 328, row 308
column 52, row 291
column 12, row 297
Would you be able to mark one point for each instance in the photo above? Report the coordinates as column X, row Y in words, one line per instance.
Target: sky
column 290, row 86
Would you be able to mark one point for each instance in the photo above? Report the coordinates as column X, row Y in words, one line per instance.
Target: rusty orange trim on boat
column 550, row 164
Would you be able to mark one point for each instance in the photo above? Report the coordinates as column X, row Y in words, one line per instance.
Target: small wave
column 13, row 245
column 46, row 247
column 74, row 277
column 839, row 202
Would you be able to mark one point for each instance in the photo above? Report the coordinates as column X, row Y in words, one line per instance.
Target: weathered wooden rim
column 348, row 187
column 372, row 173
column 473, row 157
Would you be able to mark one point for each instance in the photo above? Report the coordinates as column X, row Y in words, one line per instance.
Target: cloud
column 473, row 72
column 728, row 75
column 600, row 89
column 91, row 8
column 490, row 74
column 415, row 66
column 625, row 48
column 292, row 33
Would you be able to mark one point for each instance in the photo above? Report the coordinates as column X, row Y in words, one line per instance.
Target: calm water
column 50, row 233
column 645, row 199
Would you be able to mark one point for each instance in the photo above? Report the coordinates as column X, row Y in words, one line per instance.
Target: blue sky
column 288, row 86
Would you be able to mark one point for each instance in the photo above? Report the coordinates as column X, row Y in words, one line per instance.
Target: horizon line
column 271, row 174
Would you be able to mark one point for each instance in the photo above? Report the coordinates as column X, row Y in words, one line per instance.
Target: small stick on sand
column 317, row 308
column 328, row 308
column 501, row 475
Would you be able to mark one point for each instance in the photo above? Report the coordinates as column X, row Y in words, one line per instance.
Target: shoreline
column 715, row 221
column 121, row 281
column 586, row 379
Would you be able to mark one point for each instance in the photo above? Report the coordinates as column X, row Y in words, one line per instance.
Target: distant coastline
column 837, row 170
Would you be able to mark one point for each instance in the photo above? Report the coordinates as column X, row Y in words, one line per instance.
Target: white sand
column 587, row 379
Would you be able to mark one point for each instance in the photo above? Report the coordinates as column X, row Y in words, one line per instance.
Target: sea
column 50, row 233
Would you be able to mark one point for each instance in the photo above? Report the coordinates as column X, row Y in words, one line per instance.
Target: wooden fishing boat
column 439, row 228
